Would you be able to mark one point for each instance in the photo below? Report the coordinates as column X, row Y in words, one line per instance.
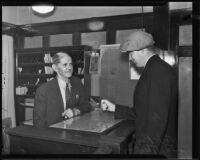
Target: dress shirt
column 62, row 86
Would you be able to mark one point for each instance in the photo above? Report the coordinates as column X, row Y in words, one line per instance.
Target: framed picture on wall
column 94, row 63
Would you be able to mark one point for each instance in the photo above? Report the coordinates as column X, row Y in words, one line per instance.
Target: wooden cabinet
column 33, row 68
column 31, row 140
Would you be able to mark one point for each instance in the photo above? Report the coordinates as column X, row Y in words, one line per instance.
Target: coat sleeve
column 39, row 111
column 124, row 112
column 84, row 105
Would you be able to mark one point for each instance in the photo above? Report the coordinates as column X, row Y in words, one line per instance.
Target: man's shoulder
column 76, row 82
column 75, row 79
column 47, row 85
column 162, row 67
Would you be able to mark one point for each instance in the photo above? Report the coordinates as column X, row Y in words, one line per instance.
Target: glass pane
column 60, row 40
column 94, row 39
column 33, row 42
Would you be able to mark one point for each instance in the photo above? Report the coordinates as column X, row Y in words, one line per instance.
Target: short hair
column 58, row 56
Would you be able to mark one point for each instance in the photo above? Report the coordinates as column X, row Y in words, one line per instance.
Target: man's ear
column 54, row 67
column 141, row 51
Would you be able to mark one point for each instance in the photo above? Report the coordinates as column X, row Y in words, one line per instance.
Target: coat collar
column 152, row 59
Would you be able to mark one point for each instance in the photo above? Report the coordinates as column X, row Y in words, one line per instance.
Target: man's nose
column 68, row 66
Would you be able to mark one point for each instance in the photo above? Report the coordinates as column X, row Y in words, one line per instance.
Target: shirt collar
column 62, row 83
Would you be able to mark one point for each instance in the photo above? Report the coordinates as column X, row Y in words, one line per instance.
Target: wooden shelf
column 29, row 85
column 33, row 64
column 26, row 96
column 36, row 75
column 81, row 64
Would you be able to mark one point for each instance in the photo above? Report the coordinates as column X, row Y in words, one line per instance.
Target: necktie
column 67, row 96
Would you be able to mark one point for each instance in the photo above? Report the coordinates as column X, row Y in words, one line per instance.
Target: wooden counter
column 26, row 139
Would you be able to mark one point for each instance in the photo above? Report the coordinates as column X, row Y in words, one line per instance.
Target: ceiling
column 20, row 15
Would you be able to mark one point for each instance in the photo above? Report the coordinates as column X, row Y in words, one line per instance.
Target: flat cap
column 138, row 40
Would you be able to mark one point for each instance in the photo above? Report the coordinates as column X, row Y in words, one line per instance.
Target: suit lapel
column 72, row 89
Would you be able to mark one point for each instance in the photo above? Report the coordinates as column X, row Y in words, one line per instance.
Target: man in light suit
column 155, row 99
column 51, row 103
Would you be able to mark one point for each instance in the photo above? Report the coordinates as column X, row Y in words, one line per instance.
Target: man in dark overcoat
column 155, row 98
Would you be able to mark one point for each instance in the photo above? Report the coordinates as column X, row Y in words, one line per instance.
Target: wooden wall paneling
column 185, row 51
column 174, row 33
column 76, row 38
column 185, row 67
column 161, row 26
column 46, row 41
column 70, row 26
column 123, row 22
column 185, row 108
column 148, row 22
column 62, row 27
column 110, row 37
column 18, row 41
column 118, row 22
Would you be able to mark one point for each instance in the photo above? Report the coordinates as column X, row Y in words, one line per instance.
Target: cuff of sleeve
column 118, row 111
column 76, row 111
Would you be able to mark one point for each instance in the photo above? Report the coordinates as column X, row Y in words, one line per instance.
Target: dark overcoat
column 155, row 109
column 49, row 106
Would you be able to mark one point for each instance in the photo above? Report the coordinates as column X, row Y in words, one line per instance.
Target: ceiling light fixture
column 95, row 24
column 43, row 9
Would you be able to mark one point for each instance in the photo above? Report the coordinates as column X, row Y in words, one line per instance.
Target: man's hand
column 106, row 105
column 93, row 103
column 68, row 113
column 76, row 111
